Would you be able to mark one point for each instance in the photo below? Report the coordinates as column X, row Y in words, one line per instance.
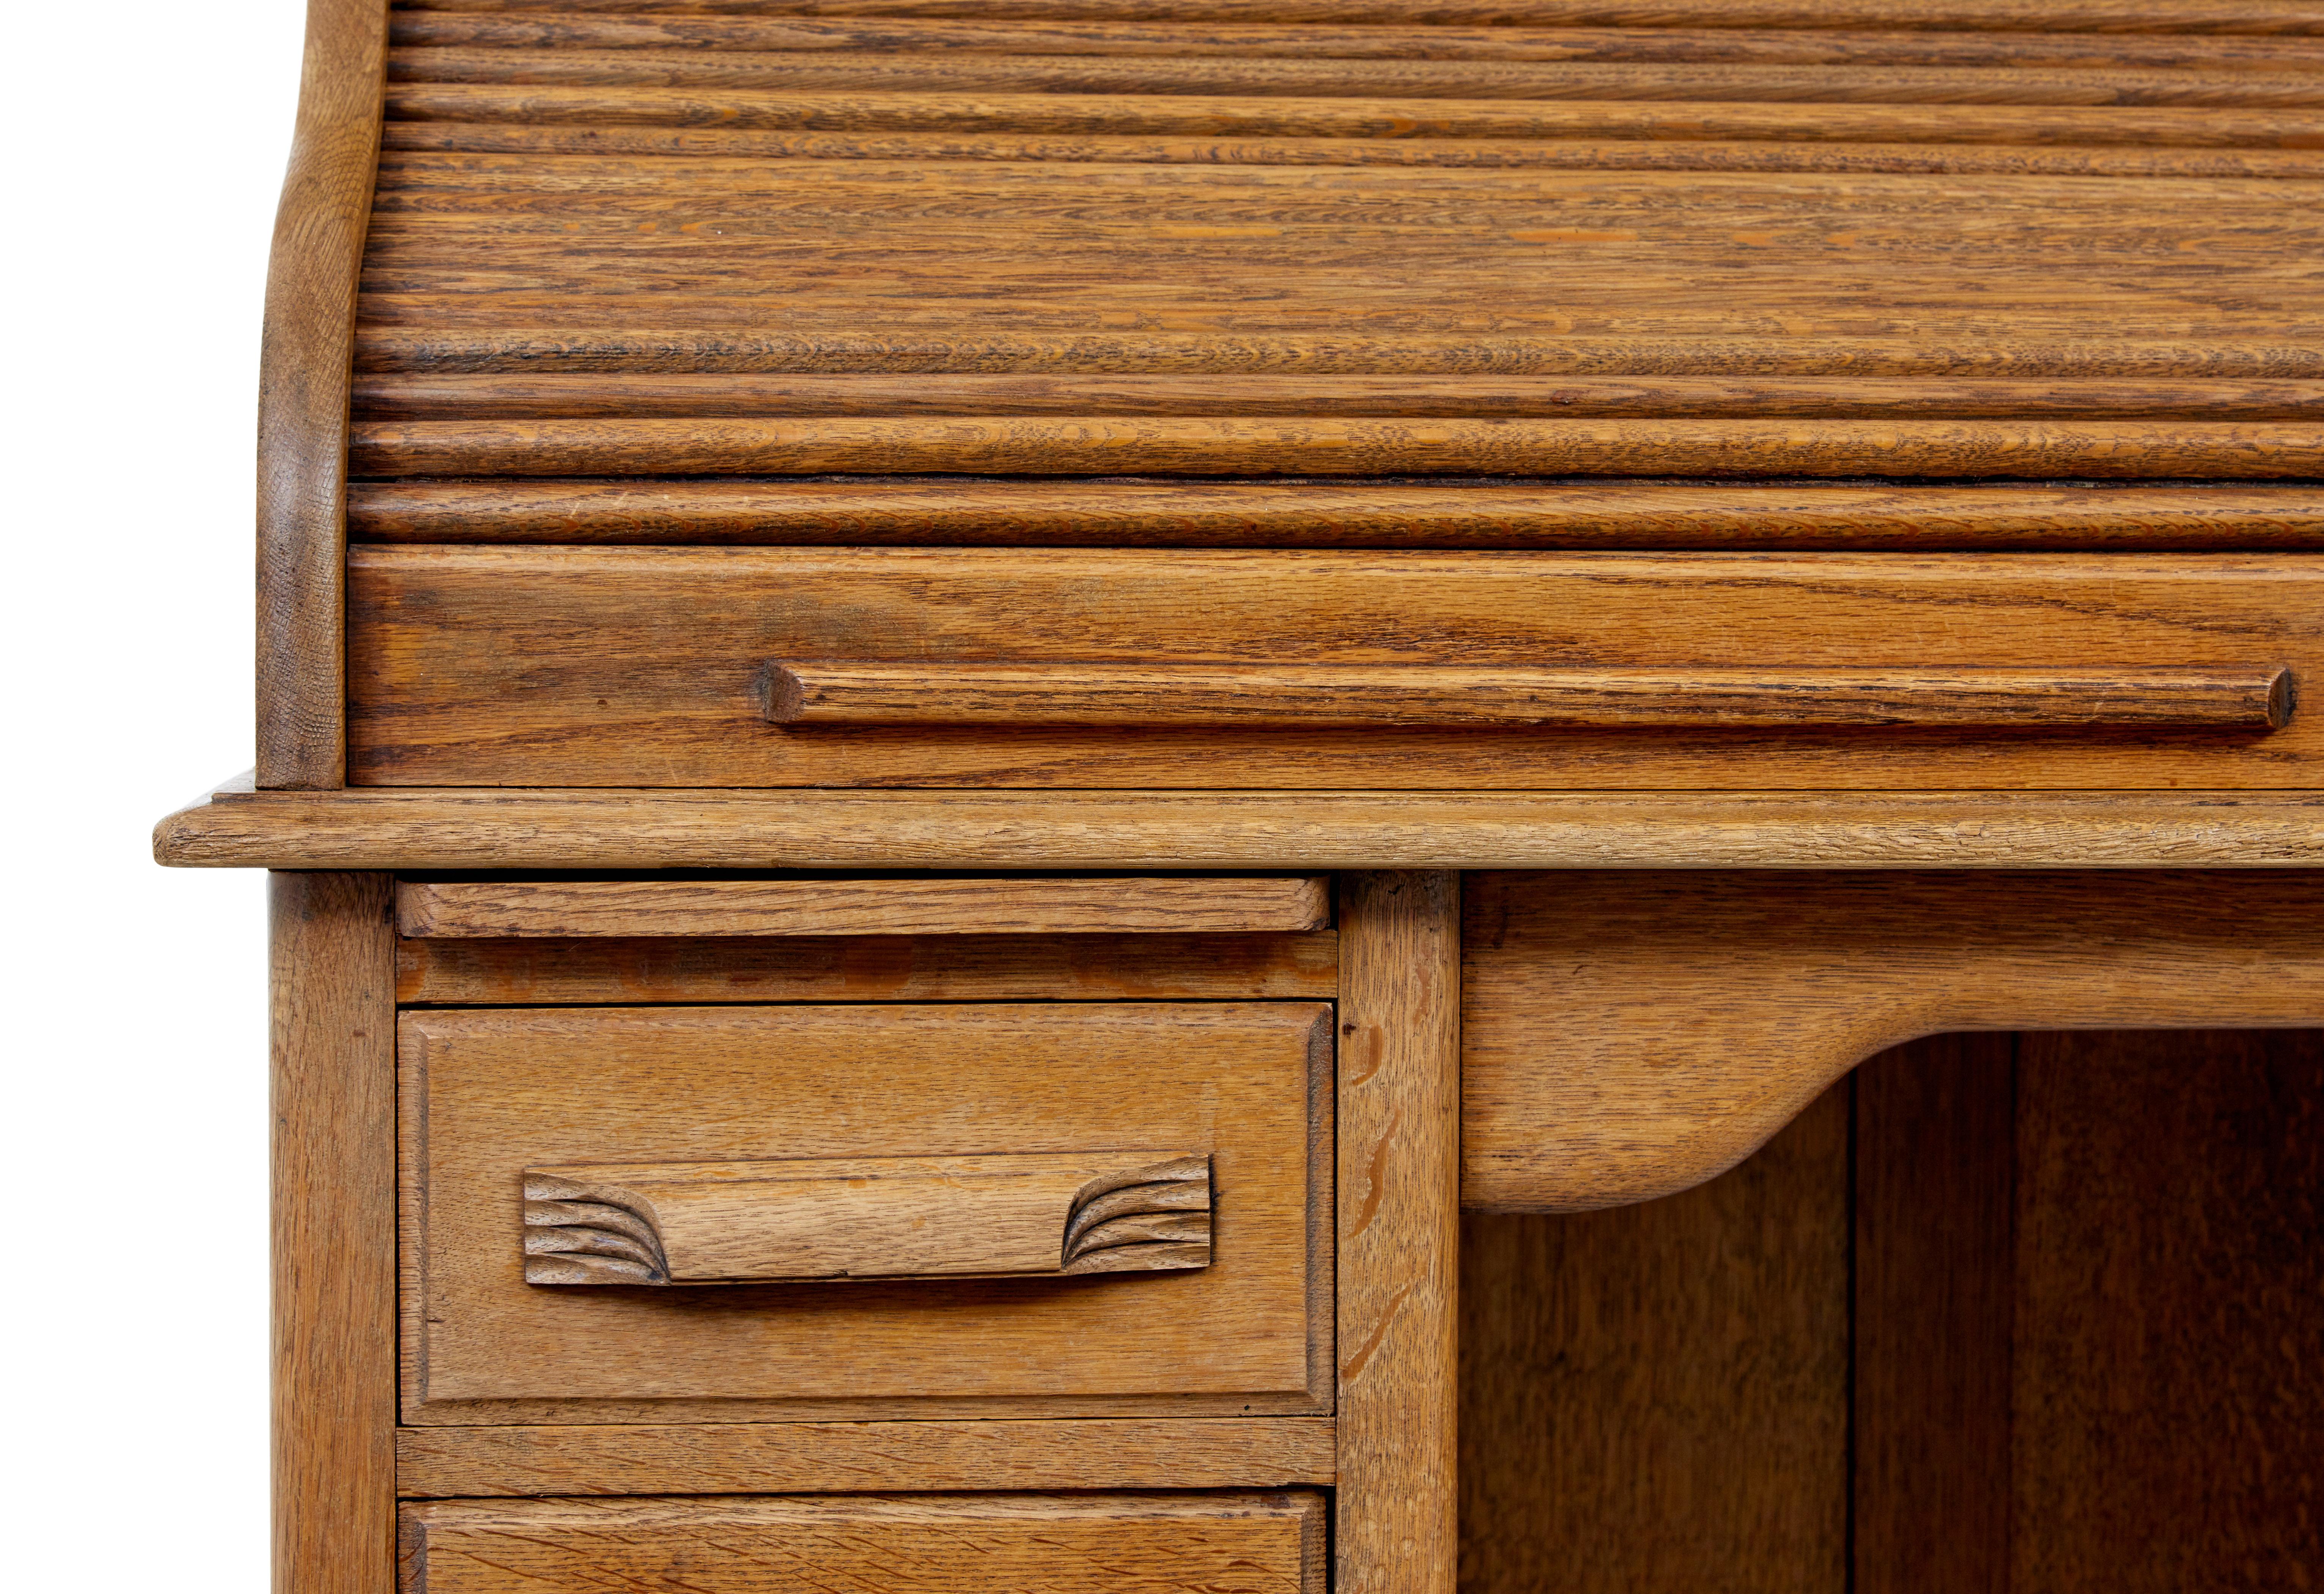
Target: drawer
column 1224, row 1544
column 729, row 1213
column 760, row 667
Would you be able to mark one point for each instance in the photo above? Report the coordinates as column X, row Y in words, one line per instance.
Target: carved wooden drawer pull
column 2248, row 698
column 832, row 1218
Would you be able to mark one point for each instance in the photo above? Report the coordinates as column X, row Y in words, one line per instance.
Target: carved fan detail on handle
column 830, row 1217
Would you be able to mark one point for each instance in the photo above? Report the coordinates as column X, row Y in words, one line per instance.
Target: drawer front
column 730, row 1213
column 1229, row 1544
column 726, row 667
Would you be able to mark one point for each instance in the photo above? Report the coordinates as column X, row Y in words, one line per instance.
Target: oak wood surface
column 656, row 126
column 851, row 1458
column 2097, row 16
column 332, row 1106
column 1435, row 41
column 1395, row 1528
column 812, row 1220
column 847, row 693
column 1325, row 447
column 436, row 828
column 1231, row 1544
column 642, row 666
column 1246, row 1082
column 1627, row 1036
column 748, row 395
column 499, row 909
column 604, row 970
column 1932, row 1317
column 306, row 352
column 1359, row 129
column 1658, row 1397
column 1076, row 240
column 1577, row 513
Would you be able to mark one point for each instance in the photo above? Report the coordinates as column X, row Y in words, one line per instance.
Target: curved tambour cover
column 1901, row 275
column 1327, row 239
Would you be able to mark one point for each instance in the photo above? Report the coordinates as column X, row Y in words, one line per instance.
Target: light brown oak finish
column 815, row 1220
column 332, row 1105
column 1432, row 39
column 856, row 1458
column 433, row 828
column 635, row 666
column 1362, row 128
column 1399, row 1206
column 498, row 909
column 604, row 397
column 848, row 693
column 1235, row 1543
column 604, row 971
column 1581, row 512
column 306, row 347
column 1627, row 1036
column 1362, row 446
column 488, row 1094
column 2091, row 16
column 1606, row 154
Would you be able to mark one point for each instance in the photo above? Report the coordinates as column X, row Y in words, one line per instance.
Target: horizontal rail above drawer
column 846, row 693
column 1131, row 905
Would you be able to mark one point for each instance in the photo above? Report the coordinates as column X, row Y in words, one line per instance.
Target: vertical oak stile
column 306, row 365
column 332, row 1113
column 1399, row 1231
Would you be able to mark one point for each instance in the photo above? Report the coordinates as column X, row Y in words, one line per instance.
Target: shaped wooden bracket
column 1626, row 1035
column 839, row 1218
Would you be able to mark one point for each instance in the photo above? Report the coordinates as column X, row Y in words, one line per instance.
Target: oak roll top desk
column 967, row 707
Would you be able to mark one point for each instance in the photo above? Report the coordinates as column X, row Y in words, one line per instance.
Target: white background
column 143, row 166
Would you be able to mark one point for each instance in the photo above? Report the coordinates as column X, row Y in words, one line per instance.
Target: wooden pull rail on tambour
column 848, row 693
column 893, row 1217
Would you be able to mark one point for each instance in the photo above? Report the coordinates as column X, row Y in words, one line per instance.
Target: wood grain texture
column 466, row 398
column 1061, row 239
column 1233, row 1544
column 2095, row 17
column 552, row 118
column 855, row 1458
column 499, row 909
column 1364, row 128
column 2193, row 156
column 1105, row 445
column 1399, row 1224
column 814, row 1220
column 1432, row 41
column 1935, row 1162
column 1247, row 1081
column 608, row 970
column 332, row 1105
column 1627, row 1036
column 1658, row 1397
column 905, row 72
column 435, row 828
column 2168, row 1378
column 1592, row 513
column 847, row 693
column 302, row 401
column 637, row 667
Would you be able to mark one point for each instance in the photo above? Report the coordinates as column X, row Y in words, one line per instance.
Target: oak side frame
column 1397, row 1530
column 332, row 957
column 306, row 368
